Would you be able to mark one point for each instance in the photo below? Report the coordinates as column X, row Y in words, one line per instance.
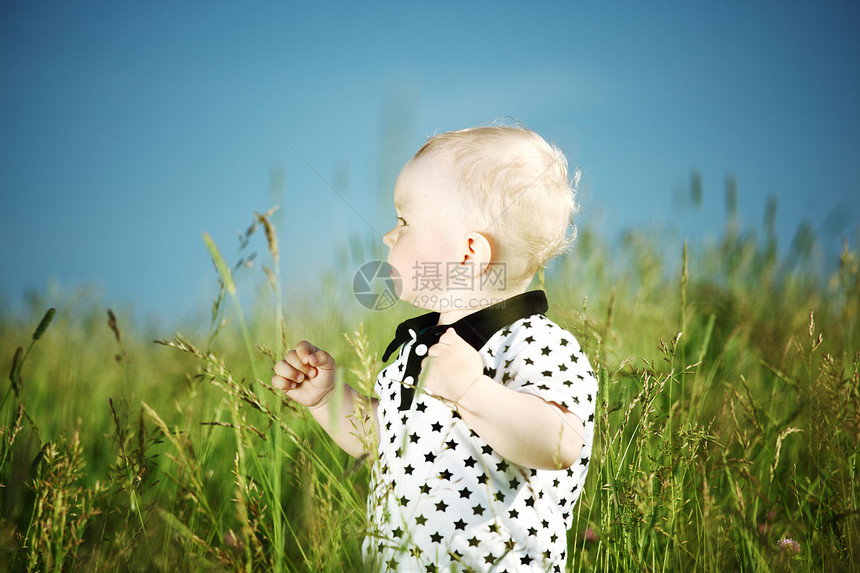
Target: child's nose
column 388, row 238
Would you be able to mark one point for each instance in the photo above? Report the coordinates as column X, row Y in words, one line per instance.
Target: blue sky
column 128, row 131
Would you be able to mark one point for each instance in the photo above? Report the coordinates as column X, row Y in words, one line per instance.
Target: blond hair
column 518, row 187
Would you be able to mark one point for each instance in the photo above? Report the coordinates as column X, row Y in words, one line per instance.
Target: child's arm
column 522, row 428
column 307, row 375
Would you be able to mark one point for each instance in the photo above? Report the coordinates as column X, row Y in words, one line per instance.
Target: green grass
column 727, row 436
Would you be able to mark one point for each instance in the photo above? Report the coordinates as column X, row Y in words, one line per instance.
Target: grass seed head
column 112, row 324
column 44, row 323
column 271, row 237
column 15, row 371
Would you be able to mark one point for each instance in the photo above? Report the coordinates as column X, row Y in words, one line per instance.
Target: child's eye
column 401, row 221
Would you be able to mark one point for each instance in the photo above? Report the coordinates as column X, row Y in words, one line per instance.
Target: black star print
column 417, row 436
column 584, row 461
column 489, row 558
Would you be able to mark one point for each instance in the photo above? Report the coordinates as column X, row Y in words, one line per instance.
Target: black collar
column 475, row 328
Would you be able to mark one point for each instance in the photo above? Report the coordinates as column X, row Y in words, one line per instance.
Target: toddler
column 484, row 421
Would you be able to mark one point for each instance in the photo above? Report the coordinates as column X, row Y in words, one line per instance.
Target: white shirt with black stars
column 442, row 500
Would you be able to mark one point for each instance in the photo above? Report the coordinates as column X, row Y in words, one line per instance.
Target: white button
column 413, row 334
column 408, row 380
column 421, row 349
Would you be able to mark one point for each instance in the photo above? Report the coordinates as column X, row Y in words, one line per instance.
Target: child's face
column 429, row 231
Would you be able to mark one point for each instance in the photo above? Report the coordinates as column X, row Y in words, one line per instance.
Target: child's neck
column 485, row 298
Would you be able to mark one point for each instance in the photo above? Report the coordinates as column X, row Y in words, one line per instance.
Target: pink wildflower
column 789, row 545
column 590, row 535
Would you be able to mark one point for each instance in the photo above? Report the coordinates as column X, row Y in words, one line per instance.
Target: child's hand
column 306, row 375
column 450, row 367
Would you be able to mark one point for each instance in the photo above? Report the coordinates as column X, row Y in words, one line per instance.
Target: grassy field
column 728, row 435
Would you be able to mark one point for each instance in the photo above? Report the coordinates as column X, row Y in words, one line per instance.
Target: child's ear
column 477, row 252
